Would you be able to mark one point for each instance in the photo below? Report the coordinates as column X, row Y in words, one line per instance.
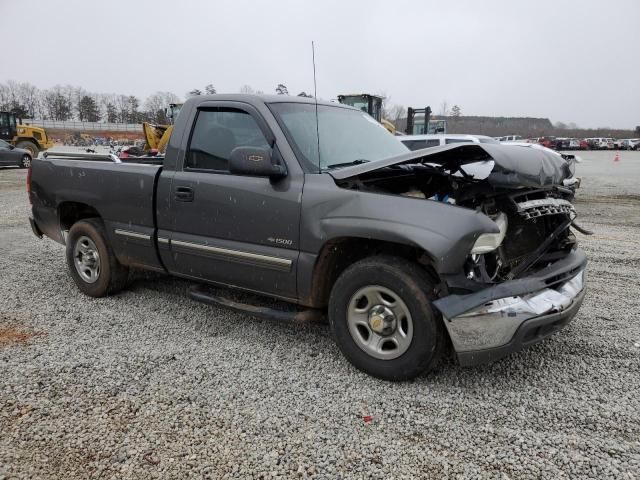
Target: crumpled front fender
column 445, row 232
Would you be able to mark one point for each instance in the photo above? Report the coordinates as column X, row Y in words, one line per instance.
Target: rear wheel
column 25, row 162
column 91, row 261
column 30, row 146
column 381, row 315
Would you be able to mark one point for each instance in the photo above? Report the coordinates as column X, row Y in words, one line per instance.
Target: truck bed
column 121, row 193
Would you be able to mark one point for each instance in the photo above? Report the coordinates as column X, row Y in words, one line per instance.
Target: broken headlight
column 487, row 242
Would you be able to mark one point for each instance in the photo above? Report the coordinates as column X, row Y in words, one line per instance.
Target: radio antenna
column 315, row 96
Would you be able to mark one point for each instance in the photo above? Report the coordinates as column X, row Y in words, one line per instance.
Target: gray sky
column 571, row 61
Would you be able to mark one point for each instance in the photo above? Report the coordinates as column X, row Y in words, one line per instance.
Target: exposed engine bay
column 527, row 194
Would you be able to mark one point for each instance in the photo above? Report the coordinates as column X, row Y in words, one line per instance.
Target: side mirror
column 11, row 147
column 256, row 162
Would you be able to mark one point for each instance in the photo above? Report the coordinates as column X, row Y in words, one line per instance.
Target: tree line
column 68, row 102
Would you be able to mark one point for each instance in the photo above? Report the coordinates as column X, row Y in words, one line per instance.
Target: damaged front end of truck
column 517, row 283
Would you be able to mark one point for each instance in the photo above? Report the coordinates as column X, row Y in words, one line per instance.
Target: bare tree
column 210, row 89
column 246, row 89
column 155, row 105
column 456, row 111
column 395, row 113
column 193, row 93
column 58, row 104
column 122, row 106
column 281, row 89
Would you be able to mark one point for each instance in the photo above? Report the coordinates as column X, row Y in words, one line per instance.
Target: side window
column 457, row 140
column 216, row 133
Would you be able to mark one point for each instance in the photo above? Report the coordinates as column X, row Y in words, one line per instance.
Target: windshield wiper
column 359, row 161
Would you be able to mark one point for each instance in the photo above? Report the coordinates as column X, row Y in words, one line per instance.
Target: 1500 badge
column 281, row 241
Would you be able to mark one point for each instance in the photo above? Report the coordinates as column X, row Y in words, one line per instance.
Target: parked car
column 418, row 142
column 630, row 144
column 600, row 144
column 565, row 144
column 408, row 252
column 583, row 144
column 548, row 142
column 509, row 138
column 12, row 156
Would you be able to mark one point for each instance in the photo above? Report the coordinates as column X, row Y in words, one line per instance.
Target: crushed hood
column 506, row 166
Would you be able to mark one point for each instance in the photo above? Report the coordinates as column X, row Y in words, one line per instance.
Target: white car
column 601, row 143
column 418, row 142
column 630, row 144
column 509, row 138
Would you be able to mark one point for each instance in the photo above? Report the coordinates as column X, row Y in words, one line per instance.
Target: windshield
column 346, row 136
column 487, row 140
column 4, row 144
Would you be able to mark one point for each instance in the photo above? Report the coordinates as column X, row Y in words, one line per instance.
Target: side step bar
column 289, row 312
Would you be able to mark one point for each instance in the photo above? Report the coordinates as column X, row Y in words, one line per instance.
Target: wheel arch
column 72, row 212
column 337, row 254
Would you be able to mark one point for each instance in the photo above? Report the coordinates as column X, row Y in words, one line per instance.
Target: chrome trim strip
column 165, row 241
column 275, row 261
column 127, row 233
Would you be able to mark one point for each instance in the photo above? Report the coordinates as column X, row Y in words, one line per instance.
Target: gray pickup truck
column 463, row 248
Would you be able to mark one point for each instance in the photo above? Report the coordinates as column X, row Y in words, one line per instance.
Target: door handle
column 184, row 194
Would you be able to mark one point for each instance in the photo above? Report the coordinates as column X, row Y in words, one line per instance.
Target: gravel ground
column 150, row 384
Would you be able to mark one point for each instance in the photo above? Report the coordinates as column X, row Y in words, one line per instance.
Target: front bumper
column 487, row 325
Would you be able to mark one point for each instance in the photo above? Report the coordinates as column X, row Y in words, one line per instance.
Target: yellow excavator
column 371, row 104
column 157, row 136
column 33, row 139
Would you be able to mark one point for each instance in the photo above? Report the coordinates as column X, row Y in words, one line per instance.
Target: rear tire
column 91, row 261
column 382, row 318
column 26, row 161
column 30, row 146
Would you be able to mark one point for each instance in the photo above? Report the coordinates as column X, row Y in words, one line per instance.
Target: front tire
column 382, row 318
column 30, row 146
column 91, row 261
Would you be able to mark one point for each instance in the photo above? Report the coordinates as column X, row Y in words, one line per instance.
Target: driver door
column 236, row 230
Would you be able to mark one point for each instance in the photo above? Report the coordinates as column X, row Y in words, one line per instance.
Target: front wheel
column 25, row 162
column 31, row 147
column 91, row 261
column 381, row 315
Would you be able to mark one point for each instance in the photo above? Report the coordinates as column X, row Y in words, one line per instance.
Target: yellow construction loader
column 371, row 104
column 157, row 136
column 33, row 139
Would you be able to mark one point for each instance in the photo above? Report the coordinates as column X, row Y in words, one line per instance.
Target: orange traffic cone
column 617, row 157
